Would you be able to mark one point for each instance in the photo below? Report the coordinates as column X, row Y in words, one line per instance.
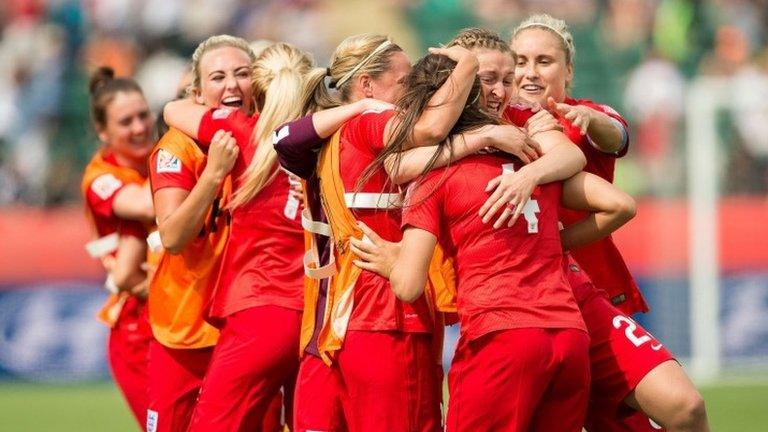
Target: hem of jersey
column 564, row 325
column 226, row 312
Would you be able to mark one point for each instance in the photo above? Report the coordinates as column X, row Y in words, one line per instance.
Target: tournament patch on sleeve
column 105, row 186
column 167, row 162
column 221, row 113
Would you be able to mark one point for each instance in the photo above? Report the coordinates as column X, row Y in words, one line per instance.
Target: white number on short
column 630, row 330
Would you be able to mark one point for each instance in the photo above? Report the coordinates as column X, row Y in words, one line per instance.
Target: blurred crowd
column 639, row 56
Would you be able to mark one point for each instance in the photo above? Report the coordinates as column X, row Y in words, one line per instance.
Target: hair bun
column 100, row 77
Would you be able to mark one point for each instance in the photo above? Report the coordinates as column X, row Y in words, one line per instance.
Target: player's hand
column 376, row 254
column 580, row 116
column 108, row 262
column 532, row 105
column 510, row 193
column 141, row 290
column 511, row 139
column 542, row 121
column 455, row 53
column 222, row 154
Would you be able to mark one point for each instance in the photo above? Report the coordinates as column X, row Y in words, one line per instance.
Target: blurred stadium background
column 690, row 75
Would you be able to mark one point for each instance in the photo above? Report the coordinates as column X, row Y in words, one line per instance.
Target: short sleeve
column 228, row 119
column 423, row 205
column 101, row 194
column 369, row 128
column 167, row 170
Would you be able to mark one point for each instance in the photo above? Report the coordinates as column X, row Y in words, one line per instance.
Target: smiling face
column 497, row 75
column 390, row 84
column 541, row 69
column 128, row 127
column 225, row 79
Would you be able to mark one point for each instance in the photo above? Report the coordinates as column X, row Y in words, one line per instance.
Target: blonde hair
column 474, row 37
column 212, row 43
column 553, row 25
column 286, row 86
column 365, row 53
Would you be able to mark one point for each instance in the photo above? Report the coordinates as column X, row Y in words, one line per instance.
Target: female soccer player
column 258, row 297
column 191, row 188
column 119, row 206
column 635, row 370
column 522, row 360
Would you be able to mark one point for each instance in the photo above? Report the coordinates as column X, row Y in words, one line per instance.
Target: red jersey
column 601, row 260
column 376, row 307
column 507, row 278
column 262, row 263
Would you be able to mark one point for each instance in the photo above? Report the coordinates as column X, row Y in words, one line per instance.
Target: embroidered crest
column 105, row 186
column 167, row 162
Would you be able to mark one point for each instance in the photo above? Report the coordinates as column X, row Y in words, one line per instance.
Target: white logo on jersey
column 531, row 206
column 105, row 185
column 167, row 162
column 151, row 421
column 221, row 113
column 278, row 136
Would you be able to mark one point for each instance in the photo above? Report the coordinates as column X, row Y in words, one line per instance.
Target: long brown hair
column 426, row 77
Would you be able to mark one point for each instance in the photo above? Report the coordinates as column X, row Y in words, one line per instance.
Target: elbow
column 171, row 243
column 124, row 279
column 428, row 135
column 627, row 208
column 580, row 159
column 403, row 289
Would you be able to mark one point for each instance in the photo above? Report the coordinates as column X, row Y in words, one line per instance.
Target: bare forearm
column 591, row 229
column 326, row 122
column 413, row 162
column 446, row 105
column 605, row 132
column 183, row 224
column 560, row 162
column 407, row 284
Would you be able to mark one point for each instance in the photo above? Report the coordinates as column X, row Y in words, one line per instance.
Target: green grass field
column 99, row 407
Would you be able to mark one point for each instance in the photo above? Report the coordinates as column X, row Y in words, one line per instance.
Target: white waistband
column 103, row 246
column 367, row 200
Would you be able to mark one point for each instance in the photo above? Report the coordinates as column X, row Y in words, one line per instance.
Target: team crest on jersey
column 167, row 162
column 221, row 113
column 574, row 268
column 105, row 185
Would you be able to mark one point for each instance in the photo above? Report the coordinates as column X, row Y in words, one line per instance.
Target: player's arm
column 605, row 132
column 410, row 164
column 409, row 273
column 298, row 142
column 185, row 115
column 561, row 159
column 447, row 104
column 181, row 213
column 126, row 270
column 134, row 202
column 609, row 208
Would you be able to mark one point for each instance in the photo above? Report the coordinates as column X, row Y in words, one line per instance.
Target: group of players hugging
column 287, row 254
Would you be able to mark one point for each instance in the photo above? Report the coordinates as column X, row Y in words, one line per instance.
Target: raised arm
column 409, row 274
column 446, row 105
column 298, row 142
column 181, row 213
column 185, row 115
column 609, row 208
